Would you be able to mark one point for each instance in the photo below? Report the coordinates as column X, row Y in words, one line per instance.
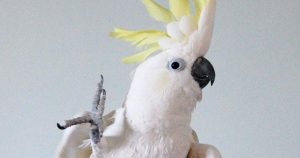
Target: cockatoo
column 154, row 121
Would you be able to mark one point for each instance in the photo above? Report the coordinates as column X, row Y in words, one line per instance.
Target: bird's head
column 173, row 74
column 180, row 69
column 166, row 86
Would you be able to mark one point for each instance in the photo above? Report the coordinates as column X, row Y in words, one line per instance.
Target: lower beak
column 203, row 72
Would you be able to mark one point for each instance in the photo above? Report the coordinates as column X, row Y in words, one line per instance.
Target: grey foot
column 95, row 118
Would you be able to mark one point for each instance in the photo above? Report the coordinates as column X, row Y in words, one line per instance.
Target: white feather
column 188, row 25
column 203, row 36
column 174, row 31
column 117, row 128
column 166, row 43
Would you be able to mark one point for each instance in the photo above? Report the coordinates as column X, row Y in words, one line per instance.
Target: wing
column 71, row 145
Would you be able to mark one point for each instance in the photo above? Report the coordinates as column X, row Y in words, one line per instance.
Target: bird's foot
column 95, row 117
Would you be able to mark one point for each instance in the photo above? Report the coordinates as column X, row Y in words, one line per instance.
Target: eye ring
column 177, row 64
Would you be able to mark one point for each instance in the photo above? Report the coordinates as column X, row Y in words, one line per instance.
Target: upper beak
column 203, row 72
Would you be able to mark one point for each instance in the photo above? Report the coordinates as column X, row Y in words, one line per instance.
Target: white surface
column 52, row 52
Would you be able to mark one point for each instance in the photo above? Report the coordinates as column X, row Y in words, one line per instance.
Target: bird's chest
column 173, row 144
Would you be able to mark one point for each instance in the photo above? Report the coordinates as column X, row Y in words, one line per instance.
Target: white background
column 52, row 53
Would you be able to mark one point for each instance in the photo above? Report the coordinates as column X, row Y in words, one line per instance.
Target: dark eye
column 177, row 64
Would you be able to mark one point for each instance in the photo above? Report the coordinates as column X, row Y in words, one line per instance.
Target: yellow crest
column 148, row 40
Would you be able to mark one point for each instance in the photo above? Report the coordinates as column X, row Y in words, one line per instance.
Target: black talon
column 104, row 92
column 101, row 77
column 60, row 126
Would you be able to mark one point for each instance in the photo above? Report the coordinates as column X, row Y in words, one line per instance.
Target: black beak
column 203, row 72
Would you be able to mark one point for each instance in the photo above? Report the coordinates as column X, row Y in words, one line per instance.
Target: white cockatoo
column 154, row 121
